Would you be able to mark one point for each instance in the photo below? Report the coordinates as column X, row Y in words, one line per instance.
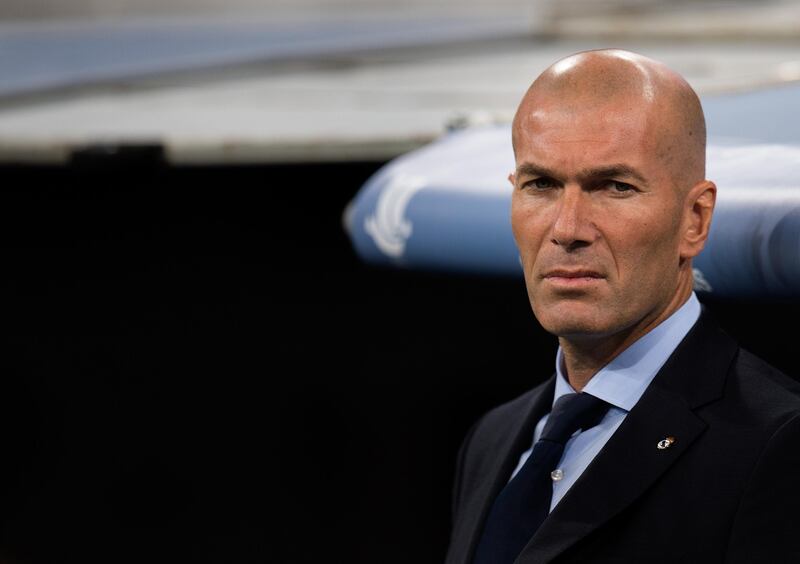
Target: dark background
column 198, row 369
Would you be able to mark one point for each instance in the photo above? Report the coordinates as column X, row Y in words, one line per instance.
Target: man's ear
column 697, row 218
column 512, row 179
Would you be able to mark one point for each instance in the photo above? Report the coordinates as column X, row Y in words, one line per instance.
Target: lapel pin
column 665, row 443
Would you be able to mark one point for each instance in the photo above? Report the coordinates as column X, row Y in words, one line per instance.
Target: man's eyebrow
column 610, row 171
column 531, row 169
column 614, row 171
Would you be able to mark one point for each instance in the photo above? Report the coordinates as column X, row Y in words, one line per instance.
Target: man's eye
column 620, row 187
column 542, row 183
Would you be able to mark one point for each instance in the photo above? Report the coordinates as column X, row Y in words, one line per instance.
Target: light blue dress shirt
column 621, row 383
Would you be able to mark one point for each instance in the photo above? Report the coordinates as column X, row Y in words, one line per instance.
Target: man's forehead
column 587, row 145
column 545, row 126
column 581, row 105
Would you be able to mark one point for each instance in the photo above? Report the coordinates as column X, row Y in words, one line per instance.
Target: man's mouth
column 572, row 278
column 572, row 274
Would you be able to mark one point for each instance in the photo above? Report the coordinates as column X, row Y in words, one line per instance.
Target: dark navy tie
column 524, row 503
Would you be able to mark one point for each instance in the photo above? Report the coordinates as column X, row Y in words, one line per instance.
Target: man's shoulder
column 497, row 423
column 517, row 405
column 764, row 386
column 755, row 405
column 496, row 436
column 711, row 364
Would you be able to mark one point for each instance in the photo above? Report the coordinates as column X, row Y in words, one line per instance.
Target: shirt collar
column 622, row 381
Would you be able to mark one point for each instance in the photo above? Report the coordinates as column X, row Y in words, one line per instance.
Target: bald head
column 598, row 82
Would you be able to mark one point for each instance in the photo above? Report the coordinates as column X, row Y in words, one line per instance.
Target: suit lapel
column 500, row 458
column 630, row 462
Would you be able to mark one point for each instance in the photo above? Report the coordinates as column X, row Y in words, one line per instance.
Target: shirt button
column 557, row 474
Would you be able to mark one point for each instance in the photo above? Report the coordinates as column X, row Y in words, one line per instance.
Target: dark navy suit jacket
column 727, row 489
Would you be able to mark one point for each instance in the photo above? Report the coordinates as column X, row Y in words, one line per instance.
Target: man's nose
column 572, row 227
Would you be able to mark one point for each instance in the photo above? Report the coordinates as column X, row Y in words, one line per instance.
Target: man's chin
column 577, row 331
column 573, row 324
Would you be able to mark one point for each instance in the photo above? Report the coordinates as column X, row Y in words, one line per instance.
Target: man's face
column 596, row 216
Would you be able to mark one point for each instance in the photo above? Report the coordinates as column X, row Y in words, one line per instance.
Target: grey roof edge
column 252, row 152
column 192, row 153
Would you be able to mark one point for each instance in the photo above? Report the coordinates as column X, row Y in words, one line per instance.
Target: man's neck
column 584, row 359
column 585, row 356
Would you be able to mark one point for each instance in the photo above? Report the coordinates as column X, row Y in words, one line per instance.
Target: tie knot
column 572, row 412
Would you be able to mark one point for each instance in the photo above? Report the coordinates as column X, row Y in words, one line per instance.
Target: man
column 684, row 447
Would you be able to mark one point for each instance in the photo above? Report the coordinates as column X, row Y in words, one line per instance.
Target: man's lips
column 572, row 279
column 572, row 274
